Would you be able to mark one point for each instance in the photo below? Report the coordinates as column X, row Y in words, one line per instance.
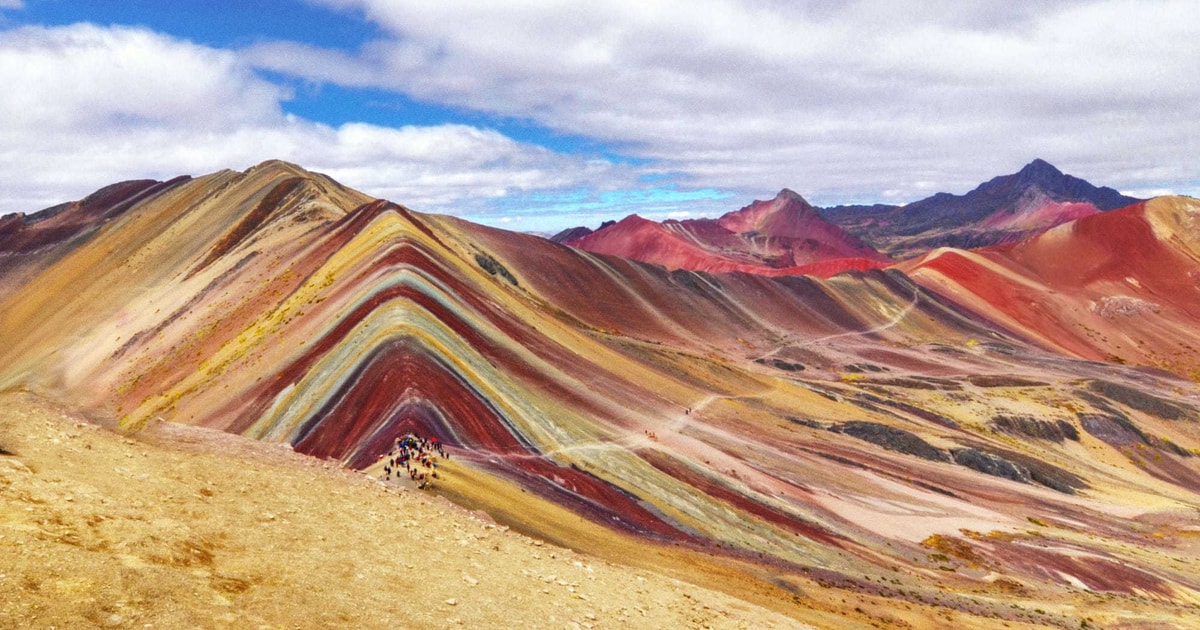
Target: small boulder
column 990, row 464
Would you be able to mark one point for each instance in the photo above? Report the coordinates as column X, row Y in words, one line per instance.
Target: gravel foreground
column 190, row 527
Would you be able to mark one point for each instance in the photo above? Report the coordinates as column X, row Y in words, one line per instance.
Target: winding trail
column 682, row 438
column 629, row 442
column 891, row 323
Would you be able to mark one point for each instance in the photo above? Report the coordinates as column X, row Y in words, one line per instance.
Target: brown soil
column 188, row 527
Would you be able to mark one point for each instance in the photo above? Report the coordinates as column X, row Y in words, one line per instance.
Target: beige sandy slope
column 187, row 527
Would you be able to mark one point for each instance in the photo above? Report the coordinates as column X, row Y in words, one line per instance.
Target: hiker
column 418, row 455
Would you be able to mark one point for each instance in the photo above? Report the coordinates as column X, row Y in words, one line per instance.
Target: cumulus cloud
column 88, row 76
column 84, row 106
column 714, row 101
column 841, row 100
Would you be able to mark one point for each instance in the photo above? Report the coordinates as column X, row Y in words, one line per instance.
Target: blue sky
column 538, row 115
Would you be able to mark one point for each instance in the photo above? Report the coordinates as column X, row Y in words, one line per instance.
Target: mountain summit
column 787, row 215
column 1045, row 177
column 780, row 236
column 1003, row 209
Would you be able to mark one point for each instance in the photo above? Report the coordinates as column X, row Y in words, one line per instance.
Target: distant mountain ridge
column 1006, row 193
column 1004, row 209
column 573, row 233
column 783, row 235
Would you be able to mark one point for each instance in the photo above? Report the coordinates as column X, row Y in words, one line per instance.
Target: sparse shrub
column 990, row 464
column 892, row 439
column 780, row 364
column 492, row 266
column 1142, row 401
column 1028, row 426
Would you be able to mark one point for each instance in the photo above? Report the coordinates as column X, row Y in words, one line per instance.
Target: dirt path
column 187, row 527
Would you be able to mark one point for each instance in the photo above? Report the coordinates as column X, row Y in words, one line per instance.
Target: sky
column 538, row 115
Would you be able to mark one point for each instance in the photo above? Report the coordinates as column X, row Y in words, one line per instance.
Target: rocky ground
column 187, row 527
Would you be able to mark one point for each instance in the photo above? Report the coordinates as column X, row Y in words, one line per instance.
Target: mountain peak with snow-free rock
column 1040, row 168
column 788, row 214
column 1060, row 187
column 1003, row 209
column 777, row 236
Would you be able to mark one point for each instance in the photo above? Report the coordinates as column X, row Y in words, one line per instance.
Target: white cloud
column 842, row 101
column 85, row 106
column 835, row 99
column 84, row 75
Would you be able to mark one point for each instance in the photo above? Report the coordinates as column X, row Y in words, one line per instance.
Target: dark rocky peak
column 1059, row 186
column 1039, row 170
column 1005, row 193
column 571, row 234
column 1038, row 173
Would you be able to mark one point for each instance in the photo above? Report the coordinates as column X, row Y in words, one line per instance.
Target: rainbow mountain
column 984, row 432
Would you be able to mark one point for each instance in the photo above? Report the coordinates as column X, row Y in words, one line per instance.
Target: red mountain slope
column 782, row 236
column 1037, row 215
column 1118, row 286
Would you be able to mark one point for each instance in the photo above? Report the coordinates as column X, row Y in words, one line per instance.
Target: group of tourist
column 417, row 456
